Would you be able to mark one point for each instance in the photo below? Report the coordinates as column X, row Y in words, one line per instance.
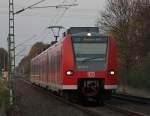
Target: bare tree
column 125, row 21
column 24, row 65
column 3, row 59
column 117, row 19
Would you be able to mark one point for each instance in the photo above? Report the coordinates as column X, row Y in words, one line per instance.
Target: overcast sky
column 30, row 25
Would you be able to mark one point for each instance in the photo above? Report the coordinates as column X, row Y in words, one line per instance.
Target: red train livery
column 83, row 63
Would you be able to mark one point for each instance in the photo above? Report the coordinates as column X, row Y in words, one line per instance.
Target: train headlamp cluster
column 89, row 34
column 111, row 72
column 69, row 73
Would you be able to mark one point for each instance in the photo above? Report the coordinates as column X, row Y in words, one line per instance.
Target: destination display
column 90, row 39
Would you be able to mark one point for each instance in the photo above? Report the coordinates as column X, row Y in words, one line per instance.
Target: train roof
column 93, row 34
column 74, row 30
column 82, row 31
column 77, row 31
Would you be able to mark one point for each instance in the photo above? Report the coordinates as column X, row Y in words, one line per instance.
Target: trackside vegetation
column 140, row 75
column 4, row 96
column 128, row 22
column 24, row 66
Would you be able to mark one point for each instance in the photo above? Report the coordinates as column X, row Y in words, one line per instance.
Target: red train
column 82, row 64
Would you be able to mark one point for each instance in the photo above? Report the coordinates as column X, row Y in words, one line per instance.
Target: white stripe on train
column 55, row 86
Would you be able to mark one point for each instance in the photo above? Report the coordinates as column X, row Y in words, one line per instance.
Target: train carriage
column 83, row 63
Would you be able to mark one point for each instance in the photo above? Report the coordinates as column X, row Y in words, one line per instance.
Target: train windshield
column 90, row 54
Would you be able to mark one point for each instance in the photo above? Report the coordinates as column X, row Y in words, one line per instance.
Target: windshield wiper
column 88, row 59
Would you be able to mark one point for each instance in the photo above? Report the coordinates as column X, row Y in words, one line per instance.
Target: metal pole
column 11, row 40
column 11, row 48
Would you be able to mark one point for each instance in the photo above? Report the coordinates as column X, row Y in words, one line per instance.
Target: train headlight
column 69, row 73
column 89, row 34
column 111, row 72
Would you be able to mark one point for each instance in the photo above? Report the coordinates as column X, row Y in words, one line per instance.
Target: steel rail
column 124, row 110
column 130, row 98
column 88, row 110
column 81, row 108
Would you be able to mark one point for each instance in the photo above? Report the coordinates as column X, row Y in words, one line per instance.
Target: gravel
column 32, row 102
column 141, row 108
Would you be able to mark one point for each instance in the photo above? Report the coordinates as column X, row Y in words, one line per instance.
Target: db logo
column 91, row 74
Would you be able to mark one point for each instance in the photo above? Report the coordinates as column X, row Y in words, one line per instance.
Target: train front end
column 90, row 65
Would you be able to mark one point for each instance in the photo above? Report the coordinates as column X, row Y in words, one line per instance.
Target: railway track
column 134, row 99
column 129, row 112
column 92, row 111
column 88, row 111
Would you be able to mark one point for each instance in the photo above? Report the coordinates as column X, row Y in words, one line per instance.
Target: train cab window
column 90, row 55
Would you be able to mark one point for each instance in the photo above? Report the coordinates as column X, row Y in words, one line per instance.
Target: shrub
column 139, row 76
column 4, row 95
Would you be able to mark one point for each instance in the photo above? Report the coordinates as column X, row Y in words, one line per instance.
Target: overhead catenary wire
column 66, row 7
column 20, row 51
column 42, row 32
column 25, row 48
column 20, row 44
column 29, row 7
column 35, row 37
column 63, row 6
column 19, row 56
column 57, row 6
column 61, row 16
column 25, row 45
column 56, row 15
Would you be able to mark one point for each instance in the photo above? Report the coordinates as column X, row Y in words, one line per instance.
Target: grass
column 139, row 76
column 4, row 95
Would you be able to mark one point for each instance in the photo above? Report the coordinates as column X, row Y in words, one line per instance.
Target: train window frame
column 106, row 55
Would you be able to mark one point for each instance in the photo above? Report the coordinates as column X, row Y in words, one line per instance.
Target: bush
column 139, row 76
column 4, row 95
